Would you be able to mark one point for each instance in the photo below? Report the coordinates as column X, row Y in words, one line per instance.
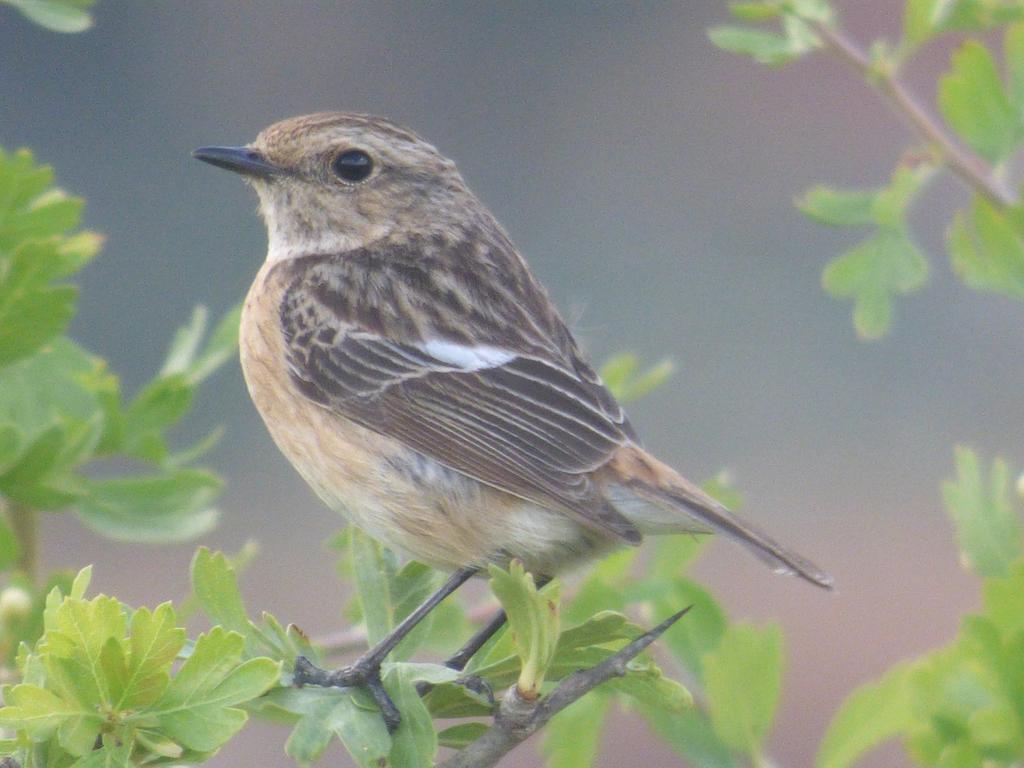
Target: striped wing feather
column 529, row 426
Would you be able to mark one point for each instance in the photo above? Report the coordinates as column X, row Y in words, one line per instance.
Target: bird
column 415, row 372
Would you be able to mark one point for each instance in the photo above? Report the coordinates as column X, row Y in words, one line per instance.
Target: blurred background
column 648, row 178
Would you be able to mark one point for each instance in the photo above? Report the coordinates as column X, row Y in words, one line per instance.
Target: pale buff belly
column 398, row 496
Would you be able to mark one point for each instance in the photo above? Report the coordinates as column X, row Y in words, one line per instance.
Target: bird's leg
column 365, row 672
column 461, row 657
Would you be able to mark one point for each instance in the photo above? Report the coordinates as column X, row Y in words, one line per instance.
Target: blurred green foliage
column 61, row 408
column 982, row 104
column 961, row 706
column 57, row 15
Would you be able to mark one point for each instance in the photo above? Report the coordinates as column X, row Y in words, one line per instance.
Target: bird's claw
column 363, row 674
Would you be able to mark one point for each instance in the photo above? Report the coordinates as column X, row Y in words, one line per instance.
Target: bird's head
column 336, row 181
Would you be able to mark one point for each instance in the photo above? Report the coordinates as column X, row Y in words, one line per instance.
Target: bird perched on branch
column 414, row 371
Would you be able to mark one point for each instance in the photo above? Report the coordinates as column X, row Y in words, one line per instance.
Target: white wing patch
column 467, row 358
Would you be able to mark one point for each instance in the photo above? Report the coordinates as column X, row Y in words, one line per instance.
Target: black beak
column 242, row 160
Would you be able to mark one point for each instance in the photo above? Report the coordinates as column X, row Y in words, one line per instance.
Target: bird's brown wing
column 528, row 424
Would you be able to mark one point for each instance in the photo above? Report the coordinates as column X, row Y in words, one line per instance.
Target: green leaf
column 28, row 210
column 461, row 735
column 701, row 631
column 973, row 101
column 645, row 683
column 887, row 263
column 78, row 633
column 50, row 387
column 341, row 713
column 186, row 359
column 161, row 404
column 763, row 47
column 199, row 708
column 618, row 371
column 924, row 19
column 986, row 250
column 21, row 183
column 154, row 644
column 1004, row 601
column 67, row 16
column 9, row 551
column 215, row 585
column 413, row 584
column 872, row 273
column 573, row 736
column 374, row 570
column 185, row 344
column 975, row 15
column 839, row 208
column 76, row 251
column 42, row 476
column 221, row 346
column 742, row 678
column 36, row 711
column 414, row 744
column 109, row 756
column 988, row 528
column 160, row 508
column 32, row 311
column 622, row 377
column 917, row 21
column 648, row 381
column 872, row 714
column 533, row 622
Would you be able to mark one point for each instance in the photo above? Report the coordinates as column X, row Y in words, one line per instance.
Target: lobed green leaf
column 742, row 679
column 988, row 527
column 987, row 250
column 199, row 709
column 763, row 47
column 327, row 713
column 872, row 273
column 872, row 714
column 32, row 310
column 973, row 102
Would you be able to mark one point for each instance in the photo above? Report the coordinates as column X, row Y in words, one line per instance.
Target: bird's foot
column 365, row 674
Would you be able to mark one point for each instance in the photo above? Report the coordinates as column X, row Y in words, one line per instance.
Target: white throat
column 285, row 240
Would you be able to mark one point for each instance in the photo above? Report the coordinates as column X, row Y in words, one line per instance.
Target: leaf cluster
column 62, row 409
column 100, row 688
column 961, row 706
column 982, row 104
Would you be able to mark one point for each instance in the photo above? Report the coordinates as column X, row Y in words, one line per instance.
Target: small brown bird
column 414, row 371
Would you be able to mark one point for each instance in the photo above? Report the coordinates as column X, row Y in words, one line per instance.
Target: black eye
column 353, row 166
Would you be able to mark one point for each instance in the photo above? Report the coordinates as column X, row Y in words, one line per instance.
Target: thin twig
column 970, row 168
column 518, row 718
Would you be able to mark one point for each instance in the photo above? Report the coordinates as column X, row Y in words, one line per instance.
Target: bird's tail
column 656, row 499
